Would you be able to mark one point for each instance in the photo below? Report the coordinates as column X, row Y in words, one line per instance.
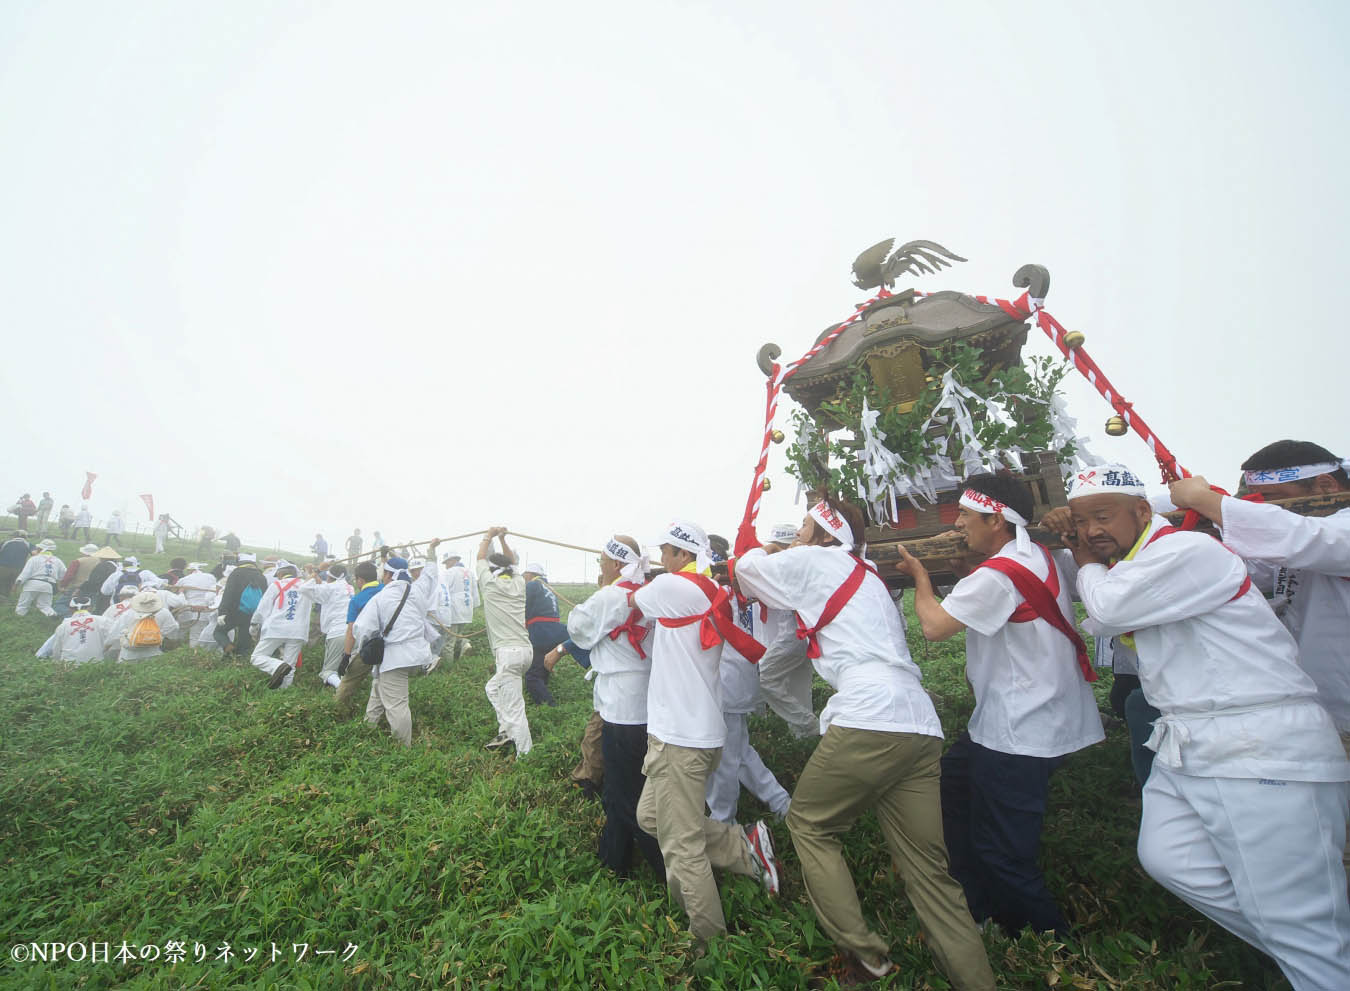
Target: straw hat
column 106, row 554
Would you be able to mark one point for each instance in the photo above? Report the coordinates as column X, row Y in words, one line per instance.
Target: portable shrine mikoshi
column 916, row 391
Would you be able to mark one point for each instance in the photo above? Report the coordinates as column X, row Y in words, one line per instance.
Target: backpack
column 249, row 597
column 144, row 633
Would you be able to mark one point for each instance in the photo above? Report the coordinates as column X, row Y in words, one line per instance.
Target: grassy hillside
column 179, row 800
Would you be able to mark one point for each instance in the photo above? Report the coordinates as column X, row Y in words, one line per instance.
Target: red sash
column 1039, row 602
column 833, row 605
column 542, row 619
column 717, row 624
column 633, row 626
column 1246, row 582
column 283, row 589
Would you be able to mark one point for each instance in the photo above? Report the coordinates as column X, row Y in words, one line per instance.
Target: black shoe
column 279, row 675
column 588, row 788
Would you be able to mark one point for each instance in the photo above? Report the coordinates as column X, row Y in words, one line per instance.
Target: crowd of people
column 1230, row 659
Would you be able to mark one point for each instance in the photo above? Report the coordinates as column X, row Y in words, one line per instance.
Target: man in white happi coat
column 503, row 592
column 281, row 622
column 83, row 521
column 1029, row 670
column 38, row 579
column 1302, row 561
column 161, row 532
column 115, row 527
column 81, row 637
column 198, row 589
column 129, row 630
column 606, row 635
column 685, row 734
column 1245, row 808
column 785, row 672
column 332, row 592
column 461, row 590
column 398, row 612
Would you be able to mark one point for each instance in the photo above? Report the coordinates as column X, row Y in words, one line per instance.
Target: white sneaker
column 759, row 841
column 332, row 680
column 876, row 969
column 430, row 666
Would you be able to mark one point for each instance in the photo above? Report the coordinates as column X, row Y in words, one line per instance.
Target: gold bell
column 777, row 436
column 1116, row 426
column 1074, row 339
column 767, row 485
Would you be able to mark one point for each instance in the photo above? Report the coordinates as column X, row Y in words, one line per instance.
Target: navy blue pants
column 624, row 748
column 993, row 805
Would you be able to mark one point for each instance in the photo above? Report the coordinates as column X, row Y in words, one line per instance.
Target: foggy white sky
column 426, row 267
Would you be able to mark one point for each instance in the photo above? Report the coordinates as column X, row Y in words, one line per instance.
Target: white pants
column 505, row 694
column 265, row 662
column 742, row 765
column 1262, row 859
column 785, row 682
column 35, row 593
column 389, row 698
column 159, row 542
column 332, row 655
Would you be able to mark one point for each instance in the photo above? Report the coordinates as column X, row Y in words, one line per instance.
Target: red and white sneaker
column 759, row 841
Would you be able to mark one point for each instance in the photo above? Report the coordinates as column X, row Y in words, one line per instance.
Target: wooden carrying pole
column 948, row 545
column 475, row 533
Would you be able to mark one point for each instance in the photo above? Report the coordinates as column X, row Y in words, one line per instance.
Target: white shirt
column 684, row 695
column 621, row 676
column 1309, row 561
column 168, row 626
column 740, row 678
column 40, row 570
column 503, row 607
column 1030, row 695
column 332, row 598
column 83, row 518
column 1223, row 671
column 405, row 645
column 197, row 587
column 80, row 638
column 461, row 592
column 283, row 614
column 115, row 523
column 863, row 653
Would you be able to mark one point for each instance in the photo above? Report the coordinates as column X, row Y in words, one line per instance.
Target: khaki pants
column 897, row 775
column 357, row 673
column 592, row 765
column 389, row 698
column 672, row 810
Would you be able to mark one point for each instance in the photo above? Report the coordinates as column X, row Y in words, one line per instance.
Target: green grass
column 179, row 799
